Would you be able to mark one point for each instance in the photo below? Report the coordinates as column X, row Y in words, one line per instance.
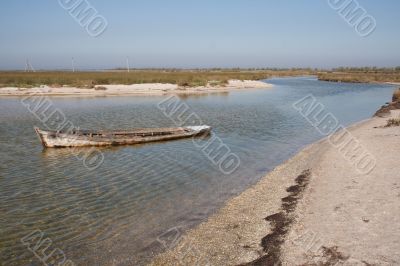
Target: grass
column 362, row 75
column 180, row 77
column 188, row 78
column 393, row 122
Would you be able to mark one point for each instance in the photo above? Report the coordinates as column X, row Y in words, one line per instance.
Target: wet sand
column 134, row 89
column 315, row 209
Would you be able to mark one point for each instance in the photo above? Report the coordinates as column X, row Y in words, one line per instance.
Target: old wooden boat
column 82, row 138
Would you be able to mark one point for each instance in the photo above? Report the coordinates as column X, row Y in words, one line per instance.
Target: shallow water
column 114, row 214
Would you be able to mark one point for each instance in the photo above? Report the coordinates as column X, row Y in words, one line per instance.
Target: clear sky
column 202, row 33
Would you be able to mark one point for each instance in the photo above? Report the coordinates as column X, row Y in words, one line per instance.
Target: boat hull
column 54, row 139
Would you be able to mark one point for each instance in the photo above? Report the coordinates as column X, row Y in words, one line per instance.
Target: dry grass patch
column 183, row 78
column 393, row 122
column 396, row 95
column 100, row 88
column 361, row 75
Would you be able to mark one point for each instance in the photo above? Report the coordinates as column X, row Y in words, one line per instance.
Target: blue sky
column 203, row 33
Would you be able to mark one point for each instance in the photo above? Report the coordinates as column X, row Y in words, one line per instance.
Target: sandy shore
column 393, row 83
column 134, row 89
column 315, row 209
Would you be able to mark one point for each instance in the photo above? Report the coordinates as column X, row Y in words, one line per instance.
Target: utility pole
column 73, row 64
column 127, row 64
column 28, row 66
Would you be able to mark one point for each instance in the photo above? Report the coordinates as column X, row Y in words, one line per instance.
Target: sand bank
column 393, row 83
column 315, row 209
column 134, row 89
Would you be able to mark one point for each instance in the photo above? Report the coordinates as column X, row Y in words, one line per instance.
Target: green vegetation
column 362, row 75
column 180, row 77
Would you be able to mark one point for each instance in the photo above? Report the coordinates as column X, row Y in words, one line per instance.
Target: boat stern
column 200, row 129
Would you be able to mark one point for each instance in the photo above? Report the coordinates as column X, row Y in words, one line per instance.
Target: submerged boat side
column 52, row 139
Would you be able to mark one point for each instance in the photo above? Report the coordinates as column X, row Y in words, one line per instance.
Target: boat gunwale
column 114, row 138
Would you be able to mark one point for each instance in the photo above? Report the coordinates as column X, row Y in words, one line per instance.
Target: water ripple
column 139, row 192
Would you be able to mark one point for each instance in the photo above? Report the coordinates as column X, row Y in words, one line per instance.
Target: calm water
column 113, row 215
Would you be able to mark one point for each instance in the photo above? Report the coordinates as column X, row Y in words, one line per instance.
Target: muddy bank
column 385, row 110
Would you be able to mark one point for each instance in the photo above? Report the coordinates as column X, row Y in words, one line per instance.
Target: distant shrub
column 183, row 83
column 100, row 88
column 103, row 81
column 215, row 83
column 396, row 95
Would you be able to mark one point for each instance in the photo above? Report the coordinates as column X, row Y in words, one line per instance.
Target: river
column 117, row 213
